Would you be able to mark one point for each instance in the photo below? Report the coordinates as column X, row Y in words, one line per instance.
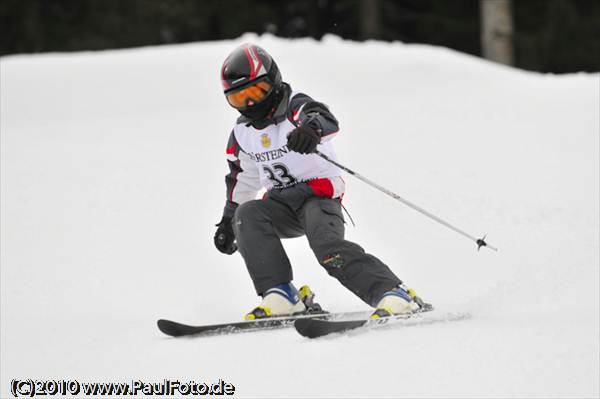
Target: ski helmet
column 251, row 81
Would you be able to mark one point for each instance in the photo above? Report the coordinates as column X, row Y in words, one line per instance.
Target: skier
column 271, row 146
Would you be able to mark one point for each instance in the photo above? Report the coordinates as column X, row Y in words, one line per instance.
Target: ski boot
column 399, row 301
column 285, row 300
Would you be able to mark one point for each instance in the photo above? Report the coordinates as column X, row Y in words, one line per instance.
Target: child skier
column 271, row 146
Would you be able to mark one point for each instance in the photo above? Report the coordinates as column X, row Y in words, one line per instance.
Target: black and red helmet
column 246, row 64
column 249, row 76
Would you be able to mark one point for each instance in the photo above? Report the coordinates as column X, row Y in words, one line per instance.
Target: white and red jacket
column 259, row 158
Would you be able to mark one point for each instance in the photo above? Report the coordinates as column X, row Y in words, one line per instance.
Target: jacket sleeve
column 303, row 110
column 243, row 180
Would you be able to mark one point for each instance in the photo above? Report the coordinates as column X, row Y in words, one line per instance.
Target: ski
column 315, row 328
column 175, row 329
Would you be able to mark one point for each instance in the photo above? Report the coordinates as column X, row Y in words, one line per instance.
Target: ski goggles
column 250, row 95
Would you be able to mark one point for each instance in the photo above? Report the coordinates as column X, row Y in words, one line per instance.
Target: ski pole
column 479, row 241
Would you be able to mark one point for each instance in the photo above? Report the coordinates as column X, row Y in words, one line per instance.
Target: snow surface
column 112, row 181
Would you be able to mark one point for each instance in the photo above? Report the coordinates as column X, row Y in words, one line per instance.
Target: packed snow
column 113, row 171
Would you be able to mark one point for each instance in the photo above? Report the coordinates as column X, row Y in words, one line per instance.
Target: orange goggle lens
column 249, row 95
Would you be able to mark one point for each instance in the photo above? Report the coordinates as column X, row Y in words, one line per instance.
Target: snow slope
column 112, row 181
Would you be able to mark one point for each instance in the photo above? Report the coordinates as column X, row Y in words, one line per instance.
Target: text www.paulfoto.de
column 31, row 388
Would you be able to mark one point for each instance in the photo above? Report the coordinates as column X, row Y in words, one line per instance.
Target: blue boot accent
column 398, row 291
column 286, row 290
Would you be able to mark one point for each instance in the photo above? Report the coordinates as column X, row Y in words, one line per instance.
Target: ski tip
column 163, row 325
column 169, row 327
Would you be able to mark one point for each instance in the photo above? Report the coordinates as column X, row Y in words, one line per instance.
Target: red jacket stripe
column 322, row 187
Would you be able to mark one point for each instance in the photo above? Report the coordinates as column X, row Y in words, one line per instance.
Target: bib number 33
column 278, row 173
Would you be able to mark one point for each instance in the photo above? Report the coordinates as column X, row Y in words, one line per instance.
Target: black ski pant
column 260, row 225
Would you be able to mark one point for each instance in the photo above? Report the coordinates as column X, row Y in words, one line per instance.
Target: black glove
column 303, row 139
column 225, row 237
